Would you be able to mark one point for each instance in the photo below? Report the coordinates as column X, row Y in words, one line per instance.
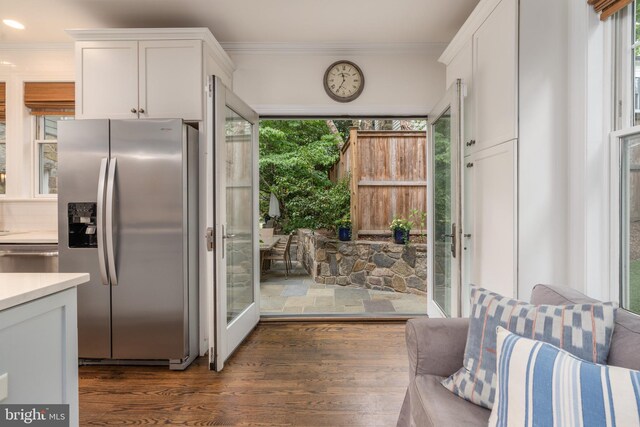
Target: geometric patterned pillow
column 583, row 330
column 541, row 385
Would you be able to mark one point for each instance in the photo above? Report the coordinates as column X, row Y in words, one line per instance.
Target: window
column 625, row 163
column 49, row 103
column 47, row 153
column 635, row 54
column 3, row 138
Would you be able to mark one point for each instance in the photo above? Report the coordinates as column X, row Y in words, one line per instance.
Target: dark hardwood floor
column 285, row 374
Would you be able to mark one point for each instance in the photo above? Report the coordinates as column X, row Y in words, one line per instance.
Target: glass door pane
column 239, row 212
column 443, row 223
column 630, row 224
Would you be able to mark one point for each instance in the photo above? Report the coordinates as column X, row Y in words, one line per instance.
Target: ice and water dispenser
column 82, row 225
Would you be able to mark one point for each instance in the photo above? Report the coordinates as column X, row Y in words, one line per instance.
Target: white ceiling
column 305, row 21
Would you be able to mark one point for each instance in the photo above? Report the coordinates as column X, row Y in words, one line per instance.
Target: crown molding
column 333, row 49
column 36, row 46
column 470, row 26
column 196, row 33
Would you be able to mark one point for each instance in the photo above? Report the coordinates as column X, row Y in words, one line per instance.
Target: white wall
column 564, row 155
column 591, row 91
column 288, row 81
column 543, row 145
column 19, row 210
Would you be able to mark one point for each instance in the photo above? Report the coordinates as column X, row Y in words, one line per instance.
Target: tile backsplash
column 28, row 215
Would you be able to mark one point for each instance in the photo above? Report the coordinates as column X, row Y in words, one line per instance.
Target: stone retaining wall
column 373, row 265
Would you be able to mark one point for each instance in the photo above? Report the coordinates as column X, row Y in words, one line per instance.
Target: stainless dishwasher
column 28, row 258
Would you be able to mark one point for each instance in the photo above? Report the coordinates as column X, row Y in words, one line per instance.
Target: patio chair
column 281, row 253
column 286, row 245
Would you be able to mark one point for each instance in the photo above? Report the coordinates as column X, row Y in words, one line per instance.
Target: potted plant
column 344, row 228
column 401, row 228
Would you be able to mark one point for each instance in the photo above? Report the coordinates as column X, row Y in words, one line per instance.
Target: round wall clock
column 343, row 81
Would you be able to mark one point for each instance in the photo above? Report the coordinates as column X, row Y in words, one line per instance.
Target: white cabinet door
column 495, row 68
column 107, row 80
column 171, row 83
column 490, row 217
column 39, row 352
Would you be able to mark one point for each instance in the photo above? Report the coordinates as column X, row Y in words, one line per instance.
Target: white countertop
column 19, row 288
column 29, row 237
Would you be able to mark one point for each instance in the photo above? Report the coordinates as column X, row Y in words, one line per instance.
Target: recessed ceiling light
column 13, row 24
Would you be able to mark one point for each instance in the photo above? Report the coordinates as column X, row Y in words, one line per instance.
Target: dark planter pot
column 344, row 233
column 400, row 237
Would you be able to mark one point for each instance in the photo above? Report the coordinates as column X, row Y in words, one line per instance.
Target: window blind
column 606, row 8
column 50, row 98
column 2, row 102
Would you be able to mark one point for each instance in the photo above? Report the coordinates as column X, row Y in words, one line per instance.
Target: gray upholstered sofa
column 436, row 350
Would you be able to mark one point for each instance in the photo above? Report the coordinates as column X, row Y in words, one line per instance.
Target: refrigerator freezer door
column 149, row 226
column 82, row 146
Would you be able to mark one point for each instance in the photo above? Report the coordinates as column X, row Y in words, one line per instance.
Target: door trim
column 452, row 100
column 224, row 341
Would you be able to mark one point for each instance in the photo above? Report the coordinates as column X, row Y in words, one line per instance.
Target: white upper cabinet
column 107, row 74
column 170, row 79
column 146, row 73
column 495, row 76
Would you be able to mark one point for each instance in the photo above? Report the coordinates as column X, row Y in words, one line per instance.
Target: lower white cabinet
column 489, row 218
column 38, row 351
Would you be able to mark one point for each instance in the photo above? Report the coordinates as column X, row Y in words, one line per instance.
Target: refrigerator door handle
column 102, row 177
column 111, row 179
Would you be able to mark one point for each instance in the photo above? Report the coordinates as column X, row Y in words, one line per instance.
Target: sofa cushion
column 435, row 406
column 584, row 330
column 539, row 384
column 625, row 343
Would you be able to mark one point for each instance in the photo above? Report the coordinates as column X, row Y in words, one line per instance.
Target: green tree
column 295, row 159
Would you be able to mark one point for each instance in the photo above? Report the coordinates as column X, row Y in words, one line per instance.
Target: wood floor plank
column 285, row 374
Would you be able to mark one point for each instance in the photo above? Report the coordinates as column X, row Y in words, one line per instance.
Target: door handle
column 223, row 234
column 111, row 259
column 40, row 254
column 453, row 238
column 102, row 176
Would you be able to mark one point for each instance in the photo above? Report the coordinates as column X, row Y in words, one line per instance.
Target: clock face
column 343, row 81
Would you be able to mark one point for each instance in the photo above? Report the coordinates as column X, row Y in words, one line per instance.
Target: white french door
column 444, row 205
column 235, row 198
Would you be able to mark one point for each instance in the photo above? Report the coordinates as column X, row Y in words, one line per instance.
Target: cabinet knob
column 470, row 164
column 134, row 111
column 142, row 111
column 470, row 143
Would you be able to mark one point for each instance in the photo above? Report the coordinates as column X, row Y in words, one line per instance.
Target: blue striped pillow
column 583, row 330
column 541, row 385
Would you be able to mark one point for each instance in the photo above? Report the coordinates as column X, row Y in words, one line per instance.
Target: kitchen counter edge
column 20, row 288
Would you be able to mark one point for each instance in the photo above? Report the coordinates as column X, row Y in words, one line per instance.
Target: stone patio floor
column 299, row 294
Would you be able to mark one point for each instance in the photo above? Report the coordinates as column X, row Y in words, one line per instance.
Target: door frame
column 227, row 337
column 452, row 100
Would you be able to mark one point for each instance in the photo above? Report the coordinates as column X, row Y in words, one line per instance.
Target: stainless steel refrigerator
column 127, row 214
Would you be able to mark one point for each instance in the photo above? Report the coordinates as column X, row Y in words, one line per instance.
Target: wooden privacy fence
column 388, row 177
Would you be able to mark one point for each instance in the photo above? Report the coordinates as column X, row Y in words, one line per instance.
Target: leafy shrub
column 295, row 159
